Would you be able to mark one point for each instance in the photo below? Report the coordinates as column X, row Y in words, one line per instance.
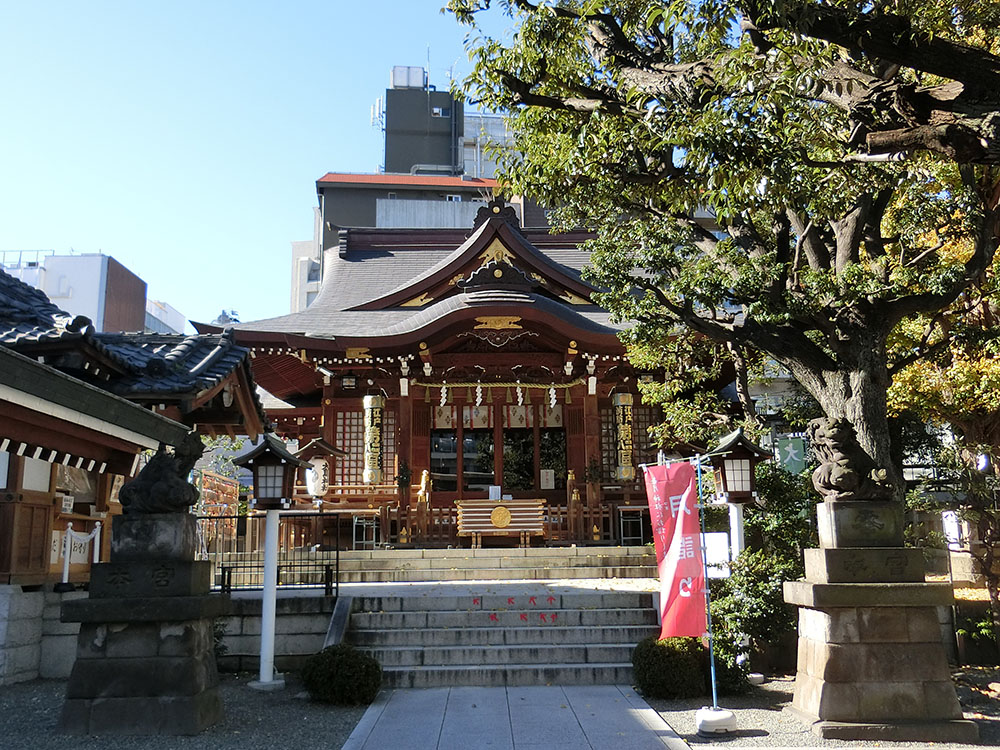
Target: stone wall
column 33, row 642
column 300, row 629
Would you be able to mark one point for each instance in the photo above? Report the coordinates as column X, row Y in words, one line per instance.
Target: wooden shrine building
column 77, row 407
column 480, row 358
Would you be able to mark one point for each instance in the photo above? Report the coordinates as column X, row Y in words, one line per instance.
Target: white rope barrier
column 68, row 539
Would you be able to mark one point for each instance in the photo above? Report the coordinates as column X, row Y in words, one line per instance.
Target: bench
column 506, row 518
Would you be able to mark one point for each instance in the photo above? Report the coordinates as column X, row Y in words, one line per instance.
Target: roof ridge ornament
column 497, row 275
column 497, row 208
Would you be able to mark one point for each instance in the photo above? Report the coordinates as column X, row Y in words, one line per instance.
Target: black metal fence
column 308, row 549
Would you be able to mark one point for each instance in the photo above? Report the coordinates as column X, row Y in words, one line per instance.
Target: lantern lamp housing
column 273, row 468
column 733, row 462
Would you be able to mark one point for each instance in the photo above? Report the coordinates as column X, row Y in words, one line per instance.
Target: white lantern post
column 273, row 481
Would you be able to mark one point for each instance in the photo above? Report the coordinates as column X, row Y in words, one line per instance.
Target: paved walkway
column 597, row 717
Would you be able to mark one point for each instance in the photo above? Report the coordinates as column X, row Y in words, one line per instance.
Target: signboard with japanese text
column 792, row 454
column 673, row 510
column 622, row 403
column 372, row 473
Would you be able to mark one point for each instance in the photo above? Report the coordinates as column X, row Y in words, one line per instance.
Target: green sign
column 792, row 454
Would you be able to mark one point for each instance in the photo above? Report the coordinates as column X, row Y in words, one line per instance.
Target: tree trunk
column 857, row 392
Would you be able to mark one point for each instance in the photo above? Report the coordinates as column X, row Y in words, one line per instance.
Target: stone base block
column 141, row 640
column 864, row 565
column 173, row 715
column 861, row 523
column 832, row 595
column 149, row 677
column 145, row 609
column 143, row 578
column 154, row 536
column 959, row 731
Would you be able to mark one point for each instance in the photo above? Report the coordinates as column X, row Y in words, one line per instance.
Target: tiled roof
column 172, row 363
column 149, row 365
column 22, row 303
column 414, row 180
column 377, row 262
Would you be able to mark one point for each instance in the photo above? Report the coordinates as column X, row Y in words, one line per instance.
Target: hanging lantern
column 622, row 402
column 318, row 477
column 373, row 439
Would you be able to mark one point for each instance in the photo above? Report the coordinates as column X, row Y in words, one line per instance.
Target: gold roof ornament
column 498, row 323
column 418, row 301
column 497, row 251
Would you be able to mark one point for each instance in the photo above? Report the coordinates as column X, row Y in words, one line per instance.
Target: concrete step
column 491, row 574
column 547, row 654
column 473, row 563
column 435, row 637
column 503, row 619
column 493, row 601
column 509, row 675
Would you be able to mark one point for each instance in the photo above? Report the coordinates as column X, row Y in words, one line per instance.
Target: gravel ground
column 29, row 714
column 761, row 721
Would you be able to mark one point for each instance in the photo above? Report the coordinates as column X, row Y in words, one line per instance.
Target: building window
column 477, row 460
column 440, row 111
column 444, row 460
column 552, row 458
column 391, row 196
column 518, row 459
column 453, row 198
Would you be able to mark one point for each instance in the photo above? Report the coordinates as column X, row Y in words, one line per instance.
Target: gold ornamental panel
column 500, row 517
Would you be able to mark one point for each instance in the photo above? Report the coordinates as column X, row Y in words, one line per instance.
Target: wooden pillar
column 404, row 441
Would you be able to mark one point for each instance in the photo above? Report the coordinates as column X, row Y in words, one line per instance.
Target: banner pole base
column 711, row 721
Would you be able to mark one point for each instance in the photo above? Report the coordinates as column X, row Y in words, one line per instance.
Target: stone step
column 465, row 552
column 472, row 563
column 571, row 555
column 487, row 574
column 547, row 654
column 508, row 675
column 435, row 637
column 502, row 619
column 491, row 601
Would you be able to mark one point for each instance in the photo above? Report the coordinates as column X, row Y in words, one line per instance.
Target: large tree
column 785, row 174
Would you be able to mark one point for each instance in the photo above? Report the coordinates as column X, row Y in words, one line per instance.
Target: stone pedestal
column 871, row 664
column 145, row 662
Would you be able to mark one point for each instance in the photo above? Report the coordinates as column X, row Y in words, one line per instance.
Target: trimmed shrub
column 669, row 668
column 343, row 675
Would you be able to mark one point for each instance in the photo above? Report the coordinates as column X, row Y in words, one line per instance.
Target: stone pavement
column 579, row 717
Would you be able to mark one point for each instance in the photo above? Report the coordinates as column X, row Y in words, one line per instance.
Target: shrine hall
column 442, row 368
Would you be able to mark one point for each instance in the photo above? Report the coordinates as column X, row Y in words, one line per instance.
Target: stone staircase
column 493, row 564
column 509, row 634
column 306, row 567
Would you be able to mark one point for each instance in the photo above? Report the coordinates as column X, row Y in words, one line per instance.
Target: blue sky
column 185, row 138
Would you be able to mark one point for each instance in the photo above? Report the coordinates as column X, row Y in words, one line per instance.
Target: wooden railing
column 421, row 524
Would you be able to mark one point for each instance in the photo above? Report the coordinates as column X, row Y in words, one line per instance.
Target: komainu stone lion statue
column 845, row 471
column 162, row 486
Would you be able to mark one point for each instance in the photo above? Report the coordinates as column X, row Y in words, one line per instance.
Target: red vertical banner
column 672, row 491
